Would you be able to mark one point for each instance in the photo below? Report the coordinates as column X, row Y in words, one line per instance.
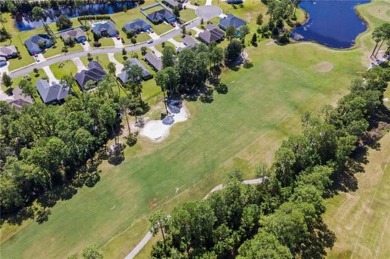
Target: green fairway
column 360, row 219
column 238, row 130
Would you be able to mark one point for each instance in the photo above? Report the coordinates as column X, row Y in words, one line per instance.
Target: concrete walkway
column 155, row 51
column 149, row 235
column 119, row 66
column 197, row 30
column 154, row 36
column 79, row 64
column 50, row 75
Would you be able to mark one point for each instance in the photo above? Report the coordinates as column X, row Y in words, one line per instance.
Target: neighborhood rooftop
column 153, row 61
column 32, row 44
column 51, row 93
column 94, row 73
column 211, row 34
column 105, row 29
column 162, row 15
column 232, row 21
column 76, row 34
column 137, row 26
column 124, row 77
column 189, row 42
column 8, row 51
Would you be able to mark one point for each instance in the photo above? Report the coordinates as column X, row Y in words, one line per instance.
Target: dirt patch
column 323, row 67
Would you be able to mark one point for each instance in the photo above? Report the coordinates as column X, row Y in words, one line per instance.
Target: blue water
column 24, row 21
column 331, row 23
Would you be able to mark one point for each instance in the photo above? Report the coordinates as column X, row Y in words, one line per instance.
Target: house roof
column 50, row 93
column 124, row 77
column 137, row 25
column 108, row 27
column 32, row 43
column 95, row 73
column 173, row 3
column 231, row 20
column 160, row 15
column 19, row 95
column 74, row 34
column 8, row 50
column 211, row 34
column 189, row 42
column 154, row 61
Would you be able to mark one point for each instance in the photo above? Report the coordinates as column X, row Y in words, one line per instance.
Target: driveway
column 86, row 46
column 197, row 31
column 208, row 12
column 155, row 51
column 119, row 66
column 176, row 43
column 50, row 75
column 79, row 64
column 118, row 43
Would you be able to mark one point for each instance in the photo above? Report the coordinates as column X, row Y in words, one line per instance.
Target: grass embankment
column 238, row 130
column 360, row 219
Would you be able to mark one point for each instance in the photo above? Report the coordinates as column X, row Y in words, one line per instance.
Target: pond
column 332, row 23
column 24, row 21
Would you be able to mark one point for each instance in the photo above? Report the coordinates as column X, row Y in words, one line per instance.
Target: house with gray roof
column 105, row 29
column 161, row 16
column 189, row 42
column 32, row 44
column 77, row 35
column 153, row 61
column 211, row 34
column 231, row 21
column 19, row 99
column 94, row 73
column 51, row 93
column 173, row 3
column 8, row 52
column 137, row 26
column 124, row 77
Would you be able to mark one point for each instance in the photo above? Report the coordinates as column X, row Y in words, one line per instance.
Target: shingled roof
column 211, row 34
column 75, row 34
column 137, row 26
column 154, row 61
column 232, row 21
column 105, row 29
column 50, row 93
column 124, row 77
column 94, row 73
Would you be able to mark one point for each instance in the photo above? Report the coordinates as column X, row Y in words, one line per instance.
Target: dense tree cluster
column 281, row 217
column 43, row 147
column 63, row 23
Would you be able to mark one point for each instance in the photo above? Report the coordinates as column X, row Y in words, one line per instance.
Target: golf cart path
column 149, row 235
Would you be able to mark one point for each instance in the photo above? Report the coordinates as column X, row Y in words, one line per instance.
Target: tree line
column 281, row 218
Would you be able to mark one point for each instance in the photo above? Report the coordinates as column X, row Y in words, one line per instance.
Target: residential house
column 153, row 61
column 77, row 35
column 124, row 78
column 189, row 42
column 8, row 52
column 137, row 26
column 51, row 93
column 161, row 16
column 173, row 3
column 211, row 34
column 33, row 44
column 231, row 21
column 94, row 73
column 19, row 99
column 105, row 29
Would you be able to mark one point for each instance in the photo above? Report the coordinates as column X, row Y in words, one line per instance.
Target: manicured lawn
column 64, row 68
column 142, row 37
column 360, row 219
column 162, row 28
column 167, row 43
column 106, row 42
column 34, row 78
column 101, row 58
column 187, row 15
column 237, row 131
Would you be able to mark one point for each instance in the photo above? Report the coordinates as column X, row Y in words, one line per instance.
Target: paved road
column 149, row 235
column 72, row 55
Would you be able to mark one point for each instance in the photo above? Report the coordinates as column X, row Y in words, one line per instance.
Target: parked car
column 173, row 24
column 149, row 41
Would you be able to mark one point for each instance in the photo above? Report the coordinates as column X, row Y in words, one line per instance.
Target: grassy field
column 101, row 58
column 237, row 131
column 360, row 219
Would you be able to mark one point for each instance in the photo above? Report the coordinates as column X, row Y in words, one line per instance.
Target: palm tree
column 376, row 36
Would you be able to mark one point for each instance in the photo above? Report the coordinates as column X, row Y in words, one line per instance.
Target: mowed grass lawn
column 238, row 130
column 361, row 219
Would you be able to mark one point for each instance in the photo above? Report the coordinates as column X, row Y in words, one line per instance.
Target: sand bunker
column 323, row 67
column 157, row 131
